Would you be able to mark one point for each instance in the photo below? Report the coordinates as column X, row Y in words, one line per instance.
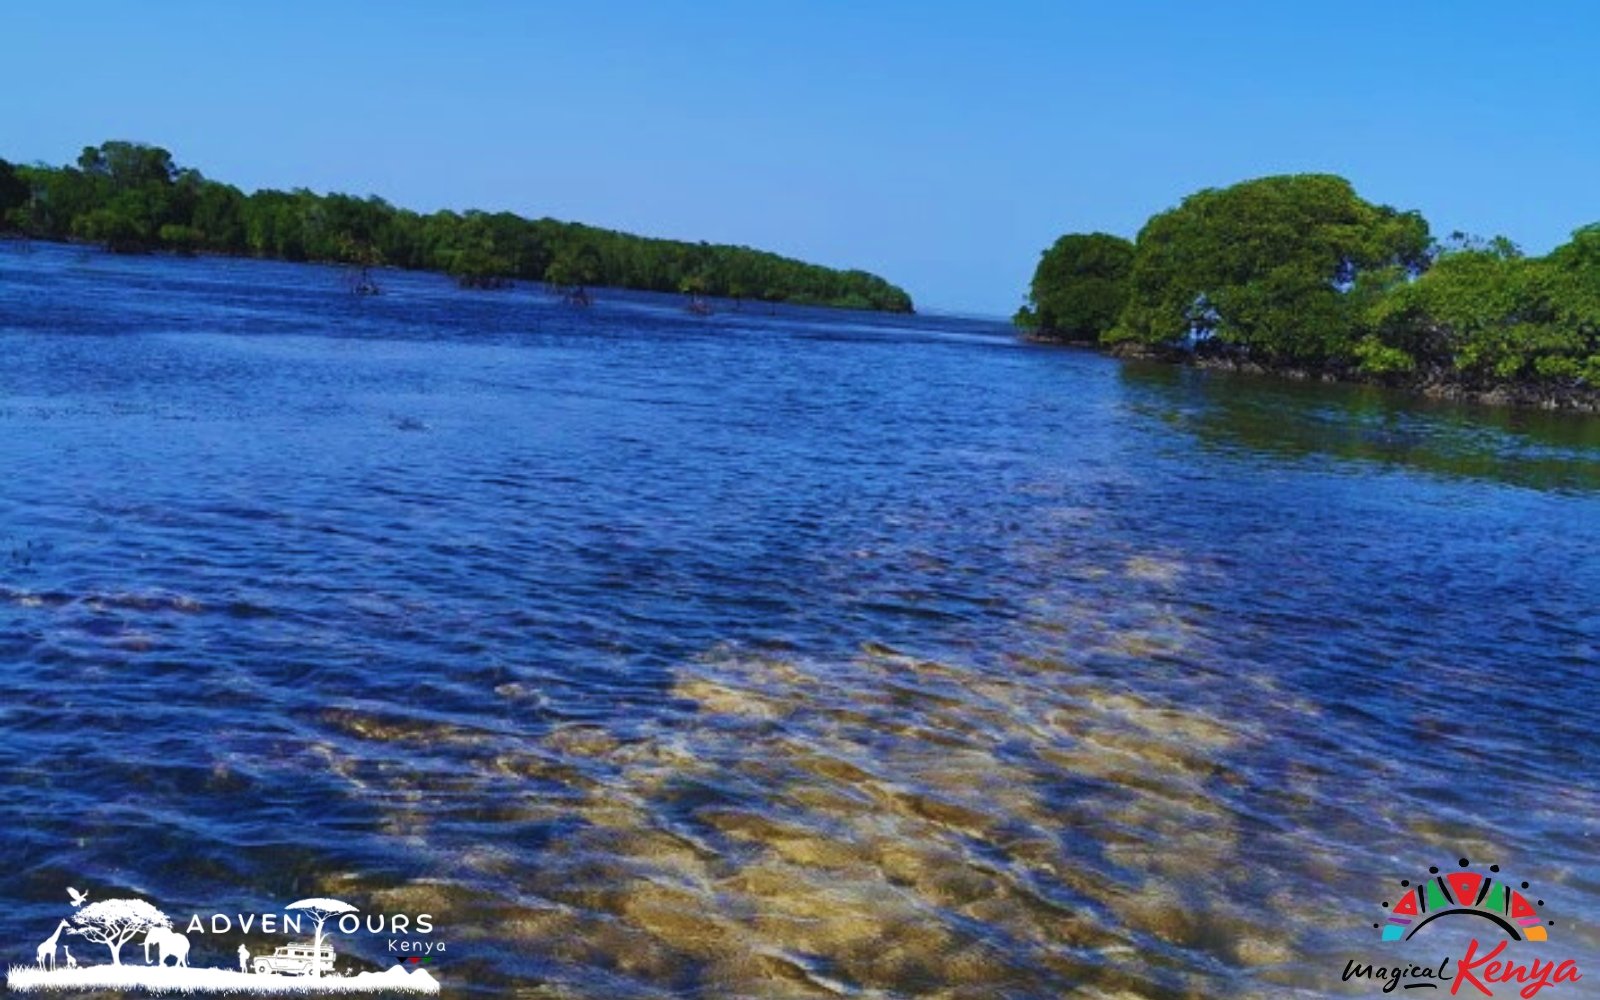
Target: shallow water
column 766, row 655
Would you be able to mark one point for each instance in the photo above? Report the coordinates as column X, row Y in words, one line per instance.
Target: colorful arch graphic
column 1464, row 894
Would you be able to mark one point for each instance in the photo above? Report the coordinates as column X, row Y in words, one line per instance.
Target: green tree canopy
column 1266, row 267
column 1299, row 272
column 1494, row 316
column 14, row 191
column 128, row 164
column 133, row 198
column 1081, row 285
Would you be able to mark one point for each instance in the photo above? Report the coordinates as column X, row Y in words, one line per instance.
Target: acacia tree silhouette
column 320, row 910
column 115, row 922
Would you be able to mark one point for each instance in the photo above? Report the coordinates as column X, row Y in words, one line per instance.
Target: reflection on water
column 1536, row 448
column 770, row 656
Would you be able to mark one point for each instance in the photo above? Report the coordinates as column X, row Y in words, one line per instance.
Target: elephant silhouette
column 169, row 944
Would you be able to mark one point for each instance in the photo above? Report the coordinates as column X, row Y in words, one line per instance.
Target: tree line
column 1298, row 272
column 132, row 198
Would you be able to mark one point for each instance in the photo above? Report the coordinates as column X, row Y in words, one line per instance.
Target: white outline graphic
column 297, row 967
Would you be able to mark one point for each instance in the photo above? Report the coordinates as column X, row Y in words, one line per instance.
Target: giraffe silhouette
column 47, row 947
column 72, row 963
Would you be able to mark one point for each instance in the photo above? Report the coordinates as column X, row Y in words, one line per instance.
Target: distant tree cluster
column 132, row 198
column 1299, row 272
column 1080, row 287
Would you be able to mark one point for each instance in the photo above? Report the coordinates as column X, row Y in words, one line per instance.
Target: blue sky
column 942, row 145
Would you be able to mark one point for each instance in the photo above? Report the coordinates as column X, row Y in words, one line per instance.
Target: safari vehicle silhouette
column 295, row 959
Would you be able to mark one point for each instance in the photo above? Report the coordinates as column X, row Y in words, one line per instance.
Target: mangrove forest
column 133, row 198
column 1298, row 274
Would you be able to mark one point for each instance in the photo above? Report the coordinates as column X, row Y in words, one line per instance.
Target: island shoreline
column 92, row 246
column 1437, row 386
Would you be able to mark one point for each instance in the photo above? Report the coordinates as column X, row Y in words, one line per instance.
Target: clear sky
column 942, row 145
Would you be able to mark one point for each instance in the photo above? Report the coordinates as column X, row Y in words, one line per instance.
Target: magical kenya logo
column 1505, row 918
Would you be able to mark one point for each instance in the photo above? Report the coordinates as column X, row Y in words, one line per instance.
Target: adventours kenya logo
column 1503, row 923
column 170, row 959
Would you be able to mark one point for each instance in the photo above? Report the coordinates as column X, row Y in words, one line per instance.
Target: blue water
column 771, row 653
